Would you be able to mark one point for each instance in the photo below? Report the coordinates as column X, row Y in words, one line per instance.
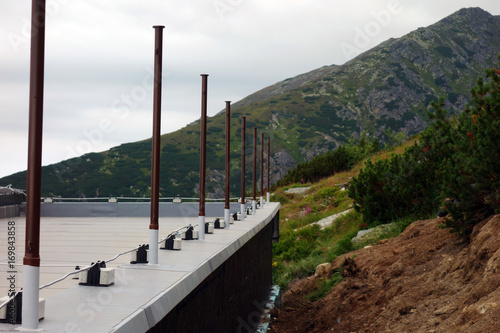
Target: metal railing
column 122, row 199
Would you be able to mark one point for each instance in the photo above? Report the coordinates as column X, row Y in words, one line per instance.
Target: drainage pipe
column 262, row 170
column 228, row 152
column 268, row 167
column 203, row 156
column 31, row 260
column 155, row 156
column 254, row 187
column 243, row 204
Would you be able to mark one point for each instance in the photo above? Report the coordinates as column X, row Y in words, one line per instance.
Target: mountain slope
column 387, row 87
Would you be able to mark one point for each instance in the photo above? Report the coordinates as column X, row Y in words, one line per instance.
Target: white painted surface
column 142, row 294
column 31, row 294
column 227, row 218
column 243, row 211
column 201, row 227
column 153, row 246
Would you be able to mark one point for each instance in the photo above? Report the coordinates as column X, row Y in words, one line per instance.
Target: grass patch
column 298, row 253
column 303, row 246
column 324, row 286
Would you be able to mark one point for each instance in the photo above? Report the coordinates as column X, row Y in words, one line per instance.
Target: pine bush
column 457, row 159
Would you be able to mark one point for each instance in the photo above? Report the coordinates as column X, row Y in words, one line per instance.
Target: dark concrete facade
column 130, row 209
column 230, row 299
column 10, row 211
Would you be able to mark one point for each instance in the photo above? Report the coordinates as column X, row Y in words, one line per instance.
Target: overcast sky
column 99, row 60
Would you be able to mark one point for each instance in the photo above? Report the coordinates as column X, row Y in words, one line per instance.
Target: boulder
column 323, row 269
column 372, row 234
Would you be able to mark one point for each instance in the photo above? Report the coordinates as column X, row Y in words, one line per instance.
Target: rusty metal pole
column 228, row 165
column 268, row 167
column 261, row 170
column 203, row 156
column 243, row 199
column 155, row 156
column 31, row 260
column 254, row 185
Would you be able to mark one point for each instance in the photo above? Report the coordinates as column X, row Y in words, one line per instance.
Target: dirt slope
column 425, row 280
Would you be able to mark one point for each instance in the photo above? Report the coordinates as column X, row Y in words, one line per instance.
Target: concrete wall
column 131, row 209
column 10, row 211
column 231, row 298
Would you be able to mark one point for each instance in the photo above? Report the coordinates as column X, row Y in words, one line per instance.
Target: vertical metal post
column 262, row 170
column 155, row 155
column 31, row 260
column 254, row 187
column 228, row 166
column 268, row 167
column 203, row 156
column 243, row 199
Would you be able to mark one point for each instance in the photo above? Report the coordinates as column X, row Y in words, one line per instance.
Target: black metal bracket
column 218, row 224
column 169, row 243
column 94, row 275
column 13, row 314
column 142, row 254
column 189, row 233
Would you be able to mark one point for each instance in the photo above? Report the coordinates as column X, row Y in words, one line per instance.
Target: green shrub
column 341, row 159
column 280, row 197
column 393, row 188
column 325, row 193
column 444, row 51
column 470, row 176
column 456, row 158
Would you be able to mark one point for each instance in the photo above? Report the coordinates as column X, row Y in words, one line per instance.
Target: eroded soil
column 425, row 280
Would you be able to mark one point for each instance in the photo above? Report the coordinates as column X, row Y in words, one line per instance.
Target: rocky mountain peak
column 387, row 89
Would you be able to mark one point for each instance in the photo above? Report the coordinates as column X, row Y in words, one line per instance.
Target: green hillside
column 388, row 88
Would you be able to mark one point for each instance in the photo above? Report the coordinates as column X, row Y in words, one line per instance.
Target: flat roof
column 142, row 293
